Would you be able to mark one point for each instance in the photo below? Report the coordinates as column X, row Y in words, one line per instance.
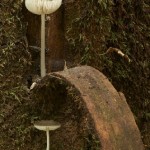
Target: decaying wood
column 110, row 114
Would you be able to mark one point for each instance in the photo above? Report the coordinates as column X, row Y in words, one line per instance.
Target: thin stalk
column 48, row 140
column 43, row 70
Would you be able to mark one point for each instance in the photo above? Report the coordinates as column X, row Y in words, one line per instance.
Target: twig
column 118, row 51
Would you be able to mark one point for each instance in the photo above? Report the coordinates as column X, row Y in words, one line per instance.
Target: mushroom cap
column 42, row 6
column 46, row 125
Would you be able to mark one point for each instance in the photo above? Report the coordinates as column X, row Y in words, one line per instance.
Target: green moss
column 14, row 55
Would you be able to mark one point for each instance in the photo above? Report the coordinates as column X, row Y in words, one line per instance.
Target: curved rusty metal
column 112, row 117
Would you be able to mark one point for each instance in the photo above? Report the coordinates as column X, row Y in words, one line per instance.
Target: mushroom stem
column 48, row 140
column 43, row 70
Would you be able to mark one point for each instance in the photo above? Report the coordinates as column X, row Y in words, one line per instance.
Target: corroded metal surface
column 112, row 117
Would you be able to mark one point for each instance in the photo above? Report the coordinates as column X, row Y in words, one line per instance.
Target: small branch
column 119, row 52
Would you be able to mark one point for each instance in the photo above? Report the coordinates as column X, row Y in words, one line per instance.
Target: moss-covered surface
column 61, row 102
column 14, row 63
column 51, row 100
column 14, row 55
column 91, row 27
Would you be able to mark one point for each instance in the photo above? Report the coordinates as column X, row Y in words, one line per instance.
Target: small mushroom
column 42, row 7
column 47, row 125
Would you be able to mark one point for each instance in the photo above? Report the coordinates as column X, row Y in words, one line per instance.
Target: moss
column 14, row 55
column 120, row 24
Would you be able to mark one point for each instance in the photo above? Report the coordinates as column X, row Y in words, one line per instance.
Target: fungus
column 42, row 7
column 47, row 125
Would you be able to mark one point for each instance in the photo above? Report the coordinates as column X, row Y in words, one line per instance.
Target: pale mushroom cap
column 42, row 6
column 47, row 125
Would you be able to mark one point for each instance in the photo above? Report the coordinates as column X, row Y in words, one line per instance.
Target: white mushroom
column 47, row 125
column 42, row 7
